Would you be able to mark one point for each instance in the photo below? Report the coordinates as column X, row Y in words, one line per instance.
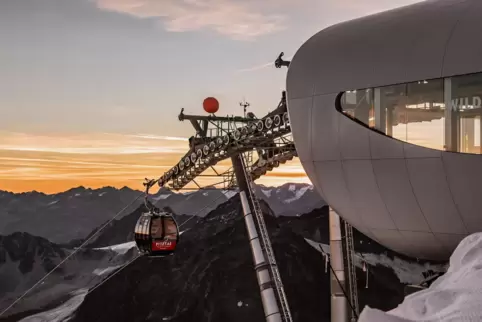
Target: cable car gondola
column 156, row 234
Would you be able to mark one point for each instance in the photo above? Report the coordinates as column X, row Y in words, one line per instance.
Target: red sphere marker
column 211, row 105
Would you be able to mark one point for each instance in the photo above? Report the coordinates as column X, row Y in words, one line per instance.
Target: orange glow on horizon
column 53, row 164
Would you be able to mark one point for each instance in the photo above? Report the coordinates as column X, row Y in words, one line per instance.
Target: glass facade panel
column 466, row 107
column 359, row 105
column 416, row 112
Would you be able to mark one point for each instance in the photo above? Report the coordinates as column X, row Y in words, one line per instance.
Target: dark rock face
column 211, row 278
column 25, row 249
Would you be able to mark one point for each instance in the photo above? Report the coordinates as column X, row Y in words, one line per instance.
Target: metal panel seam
column 413, row 192
column 452, row 195
column 450, row 38
column 418, row 203
column 376, row 181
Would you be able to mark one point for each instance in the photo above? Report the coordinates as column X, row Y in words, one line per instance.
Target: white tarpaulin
column 455, row 296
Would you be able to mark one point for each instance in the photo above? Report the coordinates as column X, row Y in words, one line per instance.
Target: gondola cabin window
column 156, row 228
column 157, row 234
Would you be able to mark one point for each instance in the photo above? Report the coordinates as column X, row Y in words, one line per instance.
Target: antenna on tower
column 245, row 105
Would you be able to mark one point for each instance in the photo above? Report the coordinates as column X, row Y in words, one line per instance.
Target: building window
column 359, row 105
column 442, row 114
column 415, row 112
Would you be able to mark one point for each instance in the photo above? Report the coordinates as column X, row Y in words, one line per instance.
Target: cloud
column 108, row 144
column 56, row 162
column 157, row 137
column 240, row 20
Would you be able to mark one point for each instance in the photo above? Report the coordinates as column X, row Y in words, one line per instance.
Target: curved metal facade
column 416, row 201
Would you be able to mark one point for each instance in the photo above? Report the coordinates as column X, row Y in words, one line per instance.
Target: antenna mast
column 245, row 105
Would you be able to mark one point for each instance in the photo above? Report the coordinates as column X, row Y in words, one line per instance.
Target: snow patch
column 107, row 270
column 240, row 303
column 455, row 296
column 292, row 187
column 316, row 245
column 121, row 249
column 407, row 272
column 52, row 203
column 267, row 193
column 77, row 194
column 161, row 197
column 230, row 193
column 298, row 194
column 102, row 193
column 61, row 313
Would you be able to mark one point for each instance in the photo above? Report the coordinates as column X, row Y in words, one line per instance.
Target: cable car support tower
column 255, row 146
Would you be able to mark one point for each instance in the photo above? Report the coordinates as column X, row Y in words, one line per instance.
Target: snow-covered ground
column 107, row 270
column 62, row 312
column 298, row 194
column 407, row 272
column 229, row 193
column 455, row 296
column 121, row 249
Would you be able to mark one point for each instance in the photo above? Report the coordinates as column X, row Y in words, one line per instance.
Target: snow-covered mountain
column 73, row 214
column 64, row 216
column 25, row 259
column 290, row 199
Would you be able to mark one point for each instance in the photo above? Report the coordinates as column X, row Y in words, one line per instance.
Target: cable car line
column 139, row 255
column 223, row 195
column 113, row 274
column 157, row 232
column 145, row 194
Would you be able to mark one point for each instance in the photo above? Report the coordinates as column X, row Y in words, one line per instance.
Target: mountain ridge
column 73, row 214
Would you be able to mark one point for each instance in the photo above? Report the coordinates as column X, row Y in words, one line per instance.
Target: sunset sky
column 90, row 90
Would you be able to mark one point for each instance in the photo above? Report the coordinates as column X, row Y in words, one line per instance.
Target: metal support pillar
column 339, row 303
column 261, row 265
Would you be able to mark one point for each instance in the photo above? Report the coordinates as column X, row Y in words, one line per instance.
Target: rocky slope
column 211, row 276
column 25, row 259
